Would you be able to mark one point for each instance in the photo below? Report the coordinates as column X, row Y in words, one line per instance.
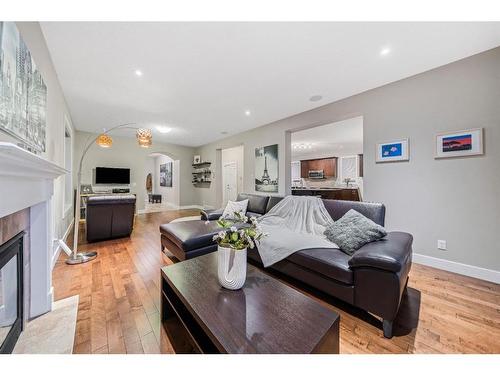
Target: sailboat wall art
column 393, row 151
column 266, row 169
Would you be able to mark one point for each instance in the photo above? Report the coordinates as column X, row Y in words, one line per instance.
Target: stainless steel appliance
column 318, row 174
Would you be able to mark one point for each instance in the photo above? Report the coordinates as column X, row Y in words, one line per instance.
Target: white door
column 229, row 182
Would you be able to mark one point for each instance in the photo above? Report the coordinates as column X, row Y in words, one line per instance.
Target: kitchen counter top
column 323, row 189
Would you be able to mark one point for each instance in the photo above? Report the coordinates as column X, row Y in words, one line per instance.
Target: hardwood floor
column 119, row 304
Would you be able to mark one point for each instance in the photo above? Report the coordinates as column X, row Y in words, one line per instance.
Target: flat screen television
column 112, row 176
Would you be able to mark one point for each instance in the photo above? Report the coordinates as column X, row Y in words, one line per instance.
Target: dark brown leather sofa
column 109, row 216
column 374, row 278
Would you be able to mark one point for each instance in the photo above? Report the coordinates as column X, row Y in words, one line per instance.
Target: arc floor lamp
column 144, row 138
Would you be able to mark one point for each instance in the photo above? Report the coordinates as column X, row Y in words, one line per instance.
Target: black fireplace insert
column 11, row 292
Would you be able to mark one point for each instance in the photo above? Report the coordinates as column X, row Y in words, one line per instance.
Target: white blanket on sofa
column 294, row 224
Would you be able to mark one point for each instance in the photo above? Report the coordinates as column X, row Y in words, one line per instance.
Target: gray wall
column 453, row 199
column 56, row 112
column 126, row 153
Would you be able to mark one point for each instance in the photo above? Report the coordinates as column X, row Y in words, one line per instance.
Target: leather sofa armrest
column 211, row 214
column 390, row 253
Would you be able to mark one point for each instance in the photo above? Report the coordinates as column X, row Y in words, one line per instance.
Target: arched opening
column 162, row 182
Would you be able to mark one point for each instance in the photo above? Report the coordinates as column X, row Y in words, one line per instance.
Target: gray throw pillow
column 353, row 230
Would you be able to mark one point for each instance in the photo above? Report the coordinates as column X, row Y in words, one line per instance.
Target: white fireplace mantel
column 25, row 178
column 27, row 181
column 18, row 162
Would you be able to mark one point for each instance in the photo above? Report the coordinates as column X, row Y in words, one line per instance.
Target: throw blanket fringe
column 295, row 223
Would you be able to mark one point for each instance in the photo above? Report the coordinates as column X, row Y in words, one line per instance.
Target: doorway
column 161, row 183
column 231, row 181
column 327, row 160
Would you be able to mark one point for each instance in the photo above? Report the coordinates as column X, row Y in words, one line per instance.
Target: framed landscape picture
column 166, row 174
column 459, row 143
column 266, row 169
column 393, row 151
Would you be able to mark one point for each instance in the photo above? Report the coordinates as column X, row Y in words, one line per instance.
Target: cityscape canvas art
column 392, row 151
column 23, row 93
column 266, row 169
column 166, row 174
column 463, row 143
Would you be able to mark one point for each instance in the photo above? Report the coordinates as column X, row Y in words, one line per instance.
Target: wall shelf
column 202, row 174
column 202, row 164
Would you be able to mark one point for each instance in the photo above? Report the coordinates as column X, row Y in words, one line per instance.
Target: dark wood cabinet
column 328, row 165
column 339, row 194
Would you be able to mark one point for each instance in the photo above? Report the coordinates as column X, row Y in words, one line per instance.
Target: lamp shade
column 104, row 140
column 144, row 137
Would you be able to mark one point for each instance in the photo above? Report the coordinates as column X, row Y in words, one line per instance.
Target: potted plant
column 232, row 249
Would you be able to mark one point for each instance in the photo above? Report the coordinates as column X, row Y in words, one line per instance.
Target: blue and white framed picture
column 393, row 151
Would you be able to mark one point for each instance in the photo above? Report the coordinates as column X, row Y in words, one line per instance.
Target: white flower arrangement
column 239, row 238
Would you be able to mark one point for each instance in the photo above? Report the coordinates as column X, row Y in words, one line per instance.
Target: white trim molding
column 460, row 268
column 173, row 208
column 57, row 247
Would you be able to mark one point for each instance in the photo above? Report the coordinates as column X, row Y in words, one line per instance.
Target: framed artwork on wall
column 266, row 169
column 166, row 174
column 86, row 189
column 454, row 144
column 197, row 159
column 393, row 151
column 23, row 93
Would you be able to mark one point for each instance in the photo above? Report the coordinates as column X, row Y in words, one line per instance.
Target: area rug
column 157, row 207
column 51, row 333
column 186, row 218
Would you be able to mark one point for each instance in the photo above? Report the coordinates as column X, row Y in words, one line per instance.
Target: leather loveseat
column 373, row 279
column 109, row 216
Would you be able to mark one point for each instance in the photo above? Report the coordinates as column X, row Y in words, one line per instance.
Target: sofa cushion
column 373, row 211
column 354, row 230
column 273, row 201
column 190, row 235
column 233, row 207
column 256, row 203
column 331, row 263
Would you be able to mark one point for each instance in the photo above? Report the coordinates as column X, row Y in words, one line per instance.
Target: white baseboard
column 57, row 250
column 174, row 207
column 193, row 206
column 460, row 268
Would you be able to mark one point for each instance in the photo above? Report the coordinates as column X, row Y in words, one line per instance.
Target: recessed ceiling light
column 385, row 51
column 315, row 98
column 247, row 113
column 163, row 129
column 138, row 73
column 302, row 146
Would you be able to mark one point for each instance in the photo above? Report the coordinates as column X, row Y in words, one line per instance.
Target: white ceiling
column 336, row 139
column 200, row 78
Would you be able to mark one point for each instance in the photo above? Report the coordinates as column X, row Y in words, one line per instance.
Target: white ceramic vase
column 232, row 267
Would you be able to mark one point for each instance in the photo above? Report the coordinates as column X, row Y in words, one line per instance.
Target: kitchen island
column 340, row 193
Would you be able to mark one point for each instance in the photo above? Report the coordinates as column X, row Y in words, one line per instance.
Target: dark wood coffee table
column 266, row 316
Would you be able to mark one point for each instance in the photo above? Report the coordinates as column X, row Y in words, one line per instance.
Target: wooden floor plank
column 119, row 307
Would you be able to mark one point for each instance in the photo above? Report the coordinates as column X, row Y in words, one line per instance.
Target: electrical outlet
column 441, row 244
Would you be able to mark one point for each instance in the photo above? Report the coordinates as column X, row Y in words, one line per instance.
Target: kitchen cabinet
column 345, row 194
column 328, row 165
